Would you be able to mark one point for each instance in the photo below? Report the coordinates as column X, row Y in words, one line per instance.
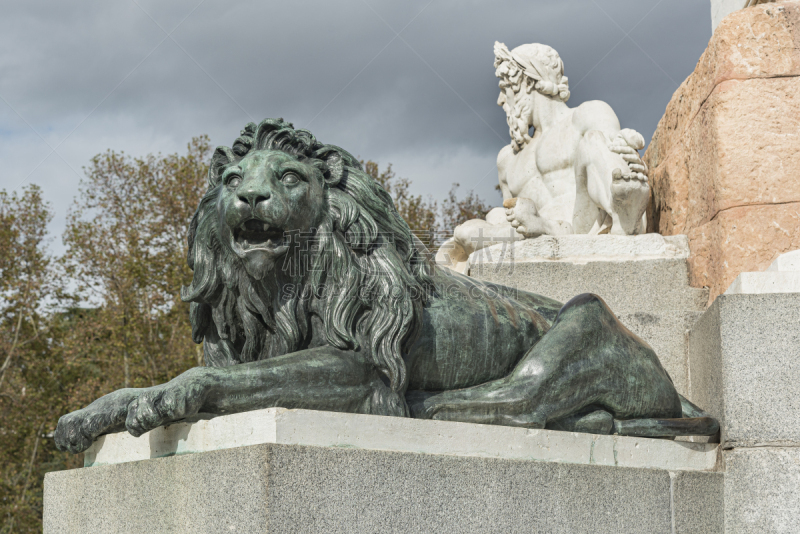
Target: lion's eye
column 290, row 178
column 234, row 181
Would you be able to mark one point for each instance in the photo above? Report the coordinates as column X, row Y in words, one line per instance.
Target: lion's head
column 289, row 225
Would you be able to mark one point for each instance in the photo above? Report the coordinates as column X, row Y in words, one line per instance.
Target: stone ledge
column 352, row 431
column 783, row 276
column 766, row 282
column 788, row 262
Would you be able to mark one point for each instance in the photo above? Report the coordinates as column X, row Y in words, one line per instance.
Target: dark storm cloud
column 146, row 76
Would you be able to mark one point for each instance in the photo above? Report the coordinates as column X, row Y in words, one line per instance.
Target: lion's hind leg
column 537, row 390
column 591, row 421
column 587, row 362
column 499, row 402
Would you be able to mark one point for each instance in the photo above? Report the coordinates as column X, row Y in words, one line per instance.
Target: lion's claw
column 137, row 410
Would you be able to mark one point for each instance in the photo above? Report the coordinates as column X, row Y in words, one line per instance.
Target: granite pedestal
column 303, row 471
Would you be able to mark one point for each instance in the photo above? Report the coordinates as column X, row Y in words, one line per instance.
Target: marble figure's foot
column 630, row 194
column 524, row 217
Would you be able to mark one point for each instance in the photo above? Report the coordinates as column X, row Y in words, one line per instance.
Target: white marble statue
column 579, row 173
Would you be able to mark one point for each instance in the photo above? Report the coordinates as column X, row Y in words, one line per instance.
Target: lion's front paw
column 157, row 406
column 77, row 430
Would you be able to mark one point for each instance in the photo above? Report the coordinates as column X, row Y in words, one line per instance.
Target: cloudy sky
column 408, row 82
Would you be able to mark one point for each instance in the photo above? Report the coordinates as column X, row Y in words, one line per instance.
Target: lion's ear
column 335, row 161
column 223, row 156
column 335, row 169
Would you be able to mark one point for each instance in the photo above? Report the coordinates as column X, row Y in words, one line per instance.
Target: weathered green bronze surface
column 310, row 291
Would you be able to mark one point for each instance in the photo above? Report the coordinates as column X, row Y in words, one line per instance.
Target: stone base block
column 346, row 487
column 762, row 490
column 285, row 488
column 744, row 361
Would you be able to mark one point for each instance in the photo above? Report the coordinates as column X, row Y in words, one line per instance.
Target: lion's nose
column 253, row 197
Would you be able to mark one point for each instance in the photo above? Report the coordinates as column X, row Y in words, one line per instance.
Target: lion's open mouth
column 257, row 235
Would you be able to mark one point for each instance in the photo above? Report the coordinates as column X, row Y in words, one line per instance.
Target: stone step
column 649, row 286
column 646, row 273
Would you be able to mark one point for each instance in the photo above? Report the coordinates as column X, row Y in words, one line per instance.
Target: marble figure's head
column 527, row 68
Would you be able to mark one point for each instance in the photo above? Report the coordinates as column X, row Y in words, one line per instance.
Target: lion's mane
column 366, row 268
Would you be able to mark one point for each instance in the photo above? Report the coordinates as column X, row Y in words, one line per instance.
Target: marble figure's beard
column 517, row 126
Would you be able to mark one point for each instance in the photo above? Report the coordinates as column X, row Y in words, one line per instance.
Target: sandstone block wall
column 725, row 158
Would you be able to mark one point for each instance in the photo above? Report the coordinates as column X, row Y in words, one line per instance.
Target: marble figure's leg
column 477, row 234
column 614, row 181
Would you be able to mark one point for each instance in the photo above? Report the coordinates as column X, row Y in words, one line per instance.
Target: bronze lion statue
column 310, row 291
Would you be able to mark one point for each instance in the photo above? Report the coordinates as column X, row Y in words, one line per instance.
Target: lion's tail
column 695, row 422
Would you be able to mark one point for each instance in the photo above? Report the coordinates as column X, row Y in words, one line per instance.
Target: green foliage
column 29, row 389
column 107, row 314
column 126, row 251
